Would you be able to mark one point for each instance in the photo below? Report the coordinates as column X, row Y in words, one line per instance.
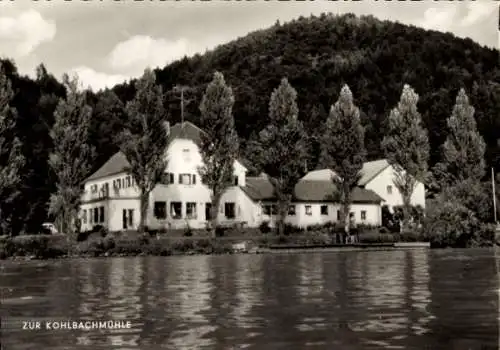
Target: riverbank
column 121, row 244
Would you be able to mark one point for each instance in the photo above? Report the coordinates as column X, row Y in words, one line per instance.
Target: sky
column 106, row 42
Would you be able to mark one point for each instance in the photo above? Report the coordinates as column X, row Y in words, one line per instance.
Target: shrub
column 83, row 236
column 264, row 227
column 220, row 231
column 384, row 230
column 451, row 224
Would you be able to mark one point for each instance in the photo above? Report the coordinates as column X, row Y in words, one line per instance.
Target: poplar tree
column 343, row 150
column 283, row 147
column 11, row 157
column 406, row 147
column 219, row 144
column 72, row 155
column 144, row 139
column 464, row 148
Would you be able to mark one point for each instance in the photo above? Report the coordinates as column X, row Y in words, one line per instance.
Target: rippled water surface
column 350, row 300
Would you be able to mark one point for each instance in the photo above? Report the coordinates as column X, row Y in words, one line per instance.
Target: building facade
column 111, row 197
column 181, row 200
column 378, row 176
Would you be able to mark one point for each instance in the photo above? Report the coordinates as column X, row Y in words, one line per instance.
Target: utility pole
column 494, row 195
column 184, row 102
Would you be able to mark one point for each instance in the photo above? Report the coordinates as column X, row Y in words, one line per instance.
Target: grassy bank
column 103, row 244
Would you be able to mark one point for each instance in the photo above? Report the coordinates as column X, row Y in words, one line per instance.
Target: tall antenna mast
column 494, row 195
column 184, row 102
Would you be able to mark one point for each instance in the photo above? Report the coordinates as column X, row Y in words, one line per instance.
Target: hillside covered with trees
column 318, row 56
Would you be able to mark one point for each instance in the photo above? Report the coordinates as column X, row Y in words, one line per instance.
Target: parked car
column 50, row 228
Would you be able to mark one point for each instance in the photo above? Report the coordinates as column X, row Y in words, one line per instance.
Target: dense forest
column 318, row 55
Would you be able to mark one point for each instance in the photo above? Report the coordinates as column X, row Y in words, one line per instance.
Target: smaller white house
column 378, row 176
column 312, row 203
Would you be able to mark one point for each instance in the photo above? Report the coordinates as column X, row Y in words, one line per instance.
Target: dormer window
column 187, row 179
column 186, row 154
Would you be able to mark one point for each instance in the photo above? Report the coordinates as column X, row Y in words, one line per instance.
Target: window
column 308, row 210
column 106, row 189
column 191, row 212
column 324, row 210
column 269, row 209
column 176, row 210
column 128, row 218
column 291, row 210
column 187, row 179
column 389, row 189
column 84, row 216
column 363, row 215
column 96, row 215
column 235, row 181
column 229, row 210
column 186, row 155
column 338, row 215
column 266, row 209
column 101, row 214
column 171, row 179
column 128, row 181
column 160, row 210
column 93, row 189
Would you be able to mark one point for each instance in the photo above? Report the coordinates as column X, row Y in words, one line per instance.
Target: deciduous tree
column 144, row 140
column 464, row 148
column 406, row 147
column 283, row 147
column 219, row 146
column 72, row 155
column 343, row 149
column 11, row 158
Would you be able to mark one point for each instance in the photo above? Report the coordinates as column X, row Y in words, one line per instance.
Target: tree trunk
column 406, row 212
column 214, row 213
column 282, row 213
column 143, row 205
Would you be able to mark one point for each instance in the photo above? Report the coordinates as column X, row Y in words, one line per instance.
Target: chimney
column 166, row 126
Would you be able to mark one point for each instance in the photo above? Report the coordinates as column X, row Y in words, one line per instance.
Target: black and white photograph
column 249, row 175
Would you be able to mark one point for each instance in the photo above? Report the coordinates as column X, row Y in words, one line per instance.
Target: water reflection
column 364, row 300
column 192, row 288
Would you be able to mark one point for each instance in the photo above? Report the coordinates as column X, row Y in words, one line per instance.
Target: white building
column 111, row 198
column 312, row 203
column 378, row 176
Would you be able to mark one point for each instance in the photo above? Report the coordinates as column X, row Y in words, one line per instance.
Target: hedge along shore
column 181, row 242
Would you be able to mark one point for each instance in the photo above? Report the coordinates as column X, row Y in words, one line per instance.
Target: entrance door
column 124, row 219
column 208, row 211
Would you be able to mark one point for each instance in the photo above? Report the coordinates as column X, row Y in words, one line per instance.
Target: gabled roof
column 118, row 163
column 185, row 131
column 369, row 171
column 261, row 189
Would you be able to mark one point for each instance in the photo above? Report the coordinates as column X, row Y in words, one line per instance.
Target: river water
column 416, row 299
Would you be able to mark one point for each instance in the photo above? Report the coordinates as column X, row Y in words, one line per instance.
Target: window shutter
column 194, row 179
column 180, row 178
